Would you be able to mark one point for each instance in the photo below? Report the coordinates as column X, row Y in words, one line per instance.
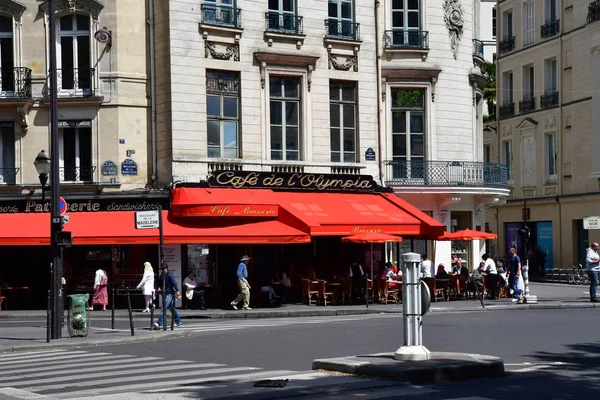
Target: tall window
column 528, row 23
column 73, row 54
column 341, row 18
column 507, row 24
column 406, row 21
column 507, row 158
column 284, row 93
column 550, row 10
column 76, row 154
column 7, row 153
column 487, row 153
column 219, row 12
column 494, row 22
column 282, row 15
column 7, row 81
column 507, row 88
column 550, row 75
column 342, row 117
column 408, row 133
column 551, row 157
column 528, row 82
column 222, row 114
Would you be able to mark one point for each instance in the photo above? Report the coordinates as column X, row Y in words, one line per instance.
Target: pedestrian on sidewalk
column 427, row 270
column 100, row 290
column 242, row 281
column 172, row 295
column 514, row 270
column 492, row 275
column 592, row 263
column 147, row 286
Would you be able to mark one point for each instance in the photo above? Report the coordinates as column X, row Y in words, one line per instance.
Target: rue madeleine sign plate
column 147, row 219
column 292, row 181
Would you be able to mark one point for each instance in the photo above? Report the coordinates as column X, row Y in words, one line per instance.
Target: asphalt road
column 552, row 354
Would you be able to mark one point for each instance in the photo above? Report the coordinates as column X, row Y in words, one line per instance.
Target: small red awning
column 104, row 227
column 320, row 214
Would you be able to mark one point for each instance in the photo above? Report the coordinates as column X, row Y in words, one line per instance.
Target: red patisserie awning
column 104, row 227
column 318, row 213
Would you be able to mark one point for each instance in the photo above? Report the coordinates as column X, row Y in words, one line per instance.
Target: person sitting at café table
column 311, row 274
column 478, row 275
column 442, row 274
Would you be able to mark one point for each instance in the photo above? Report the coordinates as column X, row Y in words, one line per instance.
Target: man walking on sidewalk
column 592, row 263
column 171, row 290
column 514, row 266
column 242, row 275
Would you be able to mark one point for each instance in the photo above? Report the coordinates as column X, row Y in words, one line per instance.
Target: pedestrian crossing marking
column 88, row 358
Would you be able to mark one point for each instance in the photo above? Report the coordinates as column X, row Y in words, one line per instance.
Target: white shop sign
column 146, row 219
column 591, row 222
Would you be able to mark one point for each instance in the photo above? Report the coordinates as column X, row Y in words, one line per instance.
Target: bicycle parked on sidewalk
column 579, row 276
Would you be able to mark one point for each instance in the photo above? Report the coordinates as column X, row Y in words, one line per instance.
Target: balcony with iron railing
column 75, row 82
column 8, row 176
column 549, row 98
column 507, row 109
column 15, row 82
column 283, row 22
column 406, row 39
column 222, row 15
column 445, row 173
column 550, row 28
column 478, row 49
column 593, row 11
column 507, row 44
column 77, row 174
column 339, row 29
column 527, row 104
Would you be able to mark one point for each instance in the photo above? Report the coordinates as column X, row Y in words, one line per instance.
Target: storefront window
column 198, row 261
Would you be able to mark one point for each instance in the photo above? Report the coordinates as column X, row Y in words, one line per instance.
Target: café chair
column 324, row 294
column 308, row 294
column 437, row 293
column 346, row 292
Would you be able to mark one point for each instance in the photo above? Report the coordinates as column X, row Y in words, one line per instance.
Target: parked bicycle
column 579, row 276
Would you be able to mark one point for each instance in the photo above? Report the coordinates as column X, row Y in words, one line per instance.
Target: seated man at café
column 460, row 269
column 478, row 275
column 392, row 277
column 192, row 288
column 266, row 285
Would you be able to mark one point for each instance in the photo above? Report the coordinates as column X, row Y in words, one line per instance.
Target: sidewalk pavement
column 13, row 336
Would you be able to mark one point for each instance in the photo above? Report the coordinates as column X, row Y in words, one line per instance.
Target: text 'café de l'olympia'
column 277, row 218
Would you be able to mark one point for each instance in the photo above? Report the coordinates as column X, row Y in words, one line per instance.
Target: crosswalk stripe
column 167, row 383
column 116, row 369
column 148, row 370
column 61, row 363
column 22, row 355
column 66, row 381
column 74, row 354
column 39, row 356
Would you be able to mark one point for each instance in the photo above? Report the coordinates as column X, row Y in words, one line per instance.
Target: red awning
column 104, row 227
column 320, row 214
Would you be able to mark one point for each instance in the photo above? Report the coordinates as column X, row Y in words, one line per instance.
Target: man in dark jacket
column 171, row 290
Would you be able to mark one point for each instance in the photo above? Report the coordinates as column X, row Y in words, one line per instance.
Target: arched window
column 7, row 64
column 73, row 55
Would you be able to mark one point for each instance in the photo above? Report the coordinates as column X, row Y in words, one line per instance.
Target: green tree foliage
column 489, row 89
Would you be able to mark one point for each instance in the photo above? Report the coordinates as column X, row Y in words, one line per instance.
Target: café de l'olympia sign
column 292, row 181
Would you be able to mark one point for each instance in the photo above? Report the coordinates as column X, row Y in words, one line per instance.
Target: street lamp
column 42, row 166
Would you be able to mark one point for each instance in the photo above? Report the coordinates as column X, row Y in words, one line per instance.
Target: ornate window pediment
column 527, row 123
column 12, row 7
column 92, row 7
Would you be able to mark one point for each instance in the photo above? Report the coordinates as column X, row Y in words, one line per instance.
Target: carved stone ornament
column 550, row 122
column 351, row 62
column 221, row 51
column 453, row 16
column 71, row 5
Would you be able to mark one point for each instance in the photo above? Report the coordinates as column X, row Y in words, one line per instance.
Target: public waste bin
column 78, row 320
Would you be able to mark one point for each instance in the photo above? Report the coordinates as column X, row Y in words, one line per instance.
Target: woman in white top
column 147, row 285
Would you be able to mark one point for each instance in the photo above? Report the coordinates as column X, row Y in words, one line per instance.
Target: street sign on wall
column 591, row 222
column 147, row 219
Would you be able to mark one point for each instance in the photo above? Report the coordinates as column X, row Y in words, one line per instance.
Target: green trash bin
column 78, row 319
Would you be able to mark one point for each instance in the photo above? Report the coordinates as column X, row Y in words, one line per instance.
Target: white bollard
column 413, row 349
column 527, row 298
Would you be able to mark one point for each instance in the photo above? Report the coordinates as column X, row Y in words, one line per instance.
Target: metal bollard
column 413, row 349
column 48, row 317
column 172, row 312
column 152, row 316
column 112, row 311
column 130, row 314
column 527, row 298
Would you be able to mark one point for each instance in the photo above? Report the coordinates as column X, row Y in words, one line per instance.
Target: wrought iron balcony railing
column 335, row 28
column 77, row 174
column 8, row 176
column 527, row 104
column 445, row 173
column 593, row 11
column 15, row 82
column 75, row 82
column 507, row 110
column 550, row 28
column 406, row 39
column 283, row 22
column 221, row 15
column 478, row 48
column 549, row 99
column 507, row 44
